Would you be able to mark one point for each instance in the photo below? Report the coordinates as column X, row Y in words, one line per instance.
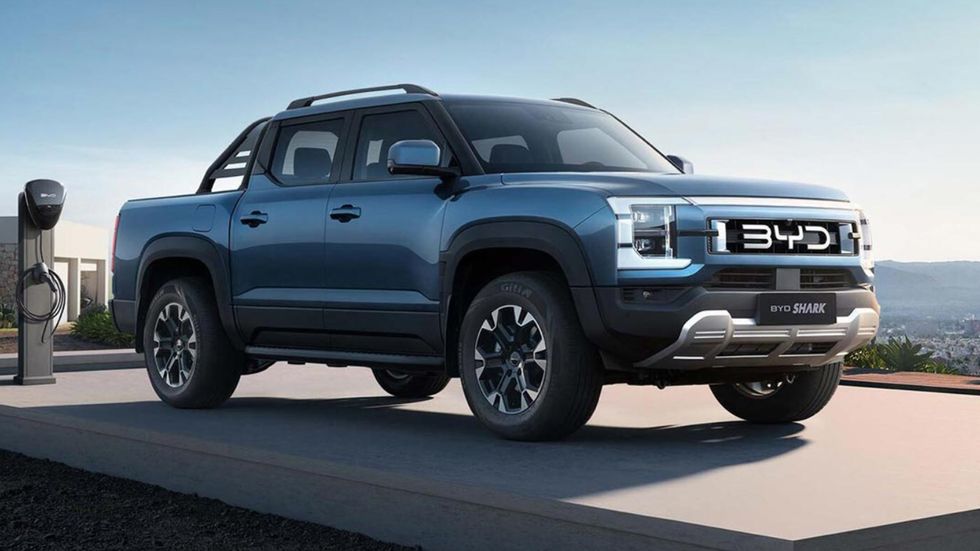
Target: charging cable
column 37, row 275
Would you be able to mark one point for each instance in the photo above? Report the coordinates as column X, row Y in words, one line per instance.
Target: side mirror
column 682, row 164
column 418, row 157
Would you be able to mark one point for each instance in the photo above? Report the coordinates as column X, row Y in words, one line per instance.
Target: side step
column 338, row 358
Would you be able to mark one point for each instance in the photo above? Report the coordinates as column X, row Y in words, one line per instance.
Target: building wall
column 8, row 274
column 83, row 246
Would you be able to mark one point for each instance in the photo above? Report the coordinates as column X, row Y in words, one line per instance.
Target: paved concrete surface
column 81, row 360
column 878, row 468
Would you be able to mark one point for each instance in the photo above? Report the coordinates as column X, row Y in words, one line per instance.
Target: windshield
column 531, row 137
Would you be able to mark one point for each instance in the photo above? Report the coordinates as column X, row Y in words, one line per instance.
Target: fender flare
column 556, row 240
column 191, row 247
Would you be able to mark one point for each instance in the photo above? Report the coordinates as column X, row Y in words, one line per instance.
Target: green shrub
column 8, row 316
column 904, row 355
column 95, row 324
column 898, row 355
column 867, row 357
column 939, row 367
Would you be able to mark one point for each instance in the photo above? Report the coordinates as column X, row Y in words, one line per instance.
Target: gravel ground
column 47, row 505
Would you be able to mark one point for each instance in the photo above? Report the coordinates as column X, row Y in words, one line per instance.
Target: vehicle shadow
column 397, row 435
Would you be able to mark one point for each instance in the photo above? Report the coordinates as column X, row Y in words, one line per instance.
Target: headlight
column 646, row 232
column 867, row 254
column 654, row 230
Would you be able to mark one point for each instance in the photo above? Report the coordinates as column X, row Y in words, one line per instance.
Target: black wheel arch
column 552, row 245
column 185, row 255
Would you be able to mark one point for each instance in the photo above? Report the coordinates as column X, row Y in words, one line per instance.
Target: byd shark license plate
column 797, row 309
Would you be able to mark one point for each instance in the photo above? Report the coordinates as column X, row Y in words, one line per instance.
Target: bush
column 95, row 324
column 939, row 367
column 898, row 355
column 904, row 355
column 8, row 317
column 867, row 357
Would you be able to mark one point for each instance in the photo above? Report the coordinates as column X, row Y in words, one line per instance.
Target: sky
column 120, row 100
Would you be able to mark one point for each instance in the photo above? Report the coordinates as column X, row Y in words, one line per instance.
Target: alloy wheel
column 174, row 345
column 511, row 356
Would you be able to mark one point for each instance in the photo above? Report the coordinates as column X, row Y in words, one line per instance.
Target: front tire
column 798, row 397
column 408, row 385
column 527, row 370
column 190, row 360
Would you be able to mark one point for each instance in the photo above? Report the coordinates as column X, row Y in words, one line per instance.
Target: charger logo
column 762, row 237
column 48, row 195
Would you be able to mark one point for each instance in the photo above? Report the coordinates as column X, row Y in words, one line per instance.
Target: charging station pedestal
column 35, row 356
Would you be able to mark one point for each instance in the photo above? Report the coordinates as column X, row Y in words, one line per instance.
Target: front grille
column 812, row 278
column 744, row 278
column 802, row 237
column 762, row 279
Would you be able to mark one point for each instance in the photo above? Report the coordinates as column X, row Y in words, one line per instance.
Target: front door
column 382, row 241
column 277, row 261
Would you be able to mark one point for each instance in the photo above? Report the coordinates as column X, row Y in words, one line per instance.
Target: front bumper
column 714, row 338
column 701, row 327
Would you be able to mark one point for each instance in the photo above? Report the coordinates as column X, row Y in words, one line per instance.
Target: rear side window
column 306, row 153
column 378, row 133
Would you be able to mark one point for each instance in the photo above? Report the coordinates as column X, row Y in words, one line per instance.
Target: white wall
column 70, row 239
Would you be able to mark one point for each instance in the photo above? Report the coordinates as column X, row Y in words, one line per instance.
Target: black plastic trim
column 190, row 247
column 557, row 241
column 123, row 314
column 343, row 358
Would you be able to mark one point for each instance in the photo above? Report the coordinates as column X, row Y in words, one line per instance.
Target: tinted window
column 536, row 137
column 378, row 133
column 305, row 152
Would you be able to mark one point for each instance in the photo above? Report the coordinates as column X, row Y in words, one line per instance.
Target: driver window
column 378, row 133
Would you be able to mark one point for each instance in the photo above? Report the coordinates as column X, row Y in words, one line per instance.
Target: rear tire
column 528, row 372
column 190, row 360
column 410, row 385
column 809, row 392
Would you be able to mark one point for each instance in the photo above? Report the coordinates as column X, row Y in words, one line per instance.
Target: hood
column 674, row 185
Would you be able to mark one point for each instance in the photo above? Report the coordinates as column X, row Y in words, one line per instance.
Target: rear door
column 277, row 261
column 382, row 240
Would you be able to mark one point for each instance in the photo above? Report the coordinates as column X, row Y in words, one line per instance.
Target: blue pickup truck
column 536, row 249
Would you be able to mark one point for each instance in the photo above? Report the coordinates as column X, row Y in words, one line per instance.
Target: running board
column 337, row 358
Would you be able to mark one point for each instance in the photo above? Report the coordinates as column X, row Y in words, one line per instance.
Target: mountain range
column 942, row 290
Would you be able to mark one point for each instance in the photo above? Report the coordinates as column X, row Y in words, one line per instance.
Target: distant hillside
column 935, row 289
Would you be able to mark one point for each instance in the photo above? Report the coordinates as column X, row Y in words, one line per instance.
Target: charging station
column 40, row 291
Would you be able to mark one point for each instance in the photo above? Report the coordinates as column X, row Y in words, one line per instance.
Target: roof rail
column 408, row 88
column 576, row 101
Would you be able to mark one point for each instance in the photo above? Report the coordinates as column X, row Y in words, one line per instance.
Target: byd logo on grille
column 762, row 237
column 799, row 308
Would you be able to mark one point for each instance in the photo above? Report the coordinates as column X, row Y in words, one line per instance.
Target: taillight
column 115, row 236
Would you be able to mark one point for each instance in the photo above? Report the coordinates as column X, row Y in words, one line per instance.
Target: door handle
column 346, row 213
column 254, row 219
